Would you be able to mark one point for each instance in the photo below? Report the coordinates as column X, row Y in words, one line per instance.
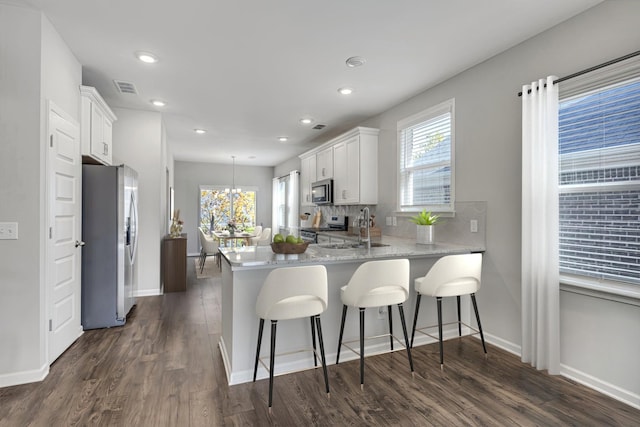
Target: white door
column 64, row 176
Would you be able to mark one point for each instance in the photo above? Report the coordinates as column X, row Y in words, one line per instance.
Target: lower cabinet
column 174, row 264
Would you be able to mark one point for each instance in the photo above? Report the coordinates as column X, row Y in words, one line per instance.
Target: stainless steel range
column 334, row 223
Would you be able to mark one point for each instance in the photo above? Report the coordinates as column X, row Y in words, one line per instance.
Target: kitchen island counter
column 262, row 256
column 245, row 269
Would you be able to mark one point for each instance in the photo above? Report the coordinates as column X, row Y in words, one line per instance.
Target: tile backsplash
column 450, row 229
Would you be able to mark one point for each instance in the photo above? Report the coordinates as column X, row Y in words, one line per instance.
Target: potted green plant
column 424, row 226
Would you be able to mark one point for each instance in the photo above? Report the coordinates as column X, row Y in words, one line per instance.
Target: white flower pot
column 424, row 234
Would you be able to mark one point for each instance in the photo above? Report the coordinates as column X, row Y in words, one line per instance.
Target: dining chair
column 257, row 232
column 452, row 275
column 209, row 247
column 265, row 237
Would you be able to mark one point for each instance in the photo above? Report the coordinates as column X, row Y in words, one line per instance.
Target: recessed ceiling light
column 200, row 131
column 345, row 91
column 306, row 120
column 147, row 57
column 158, row 103
column 355, row 61
column 283, row 139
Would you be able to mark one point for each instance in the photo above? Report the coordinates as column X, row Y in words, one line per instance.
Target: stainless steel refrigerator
column 110, row 234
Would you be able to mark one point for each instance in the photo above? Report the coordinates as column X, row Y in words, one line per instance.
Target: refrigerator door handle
column 79, row 243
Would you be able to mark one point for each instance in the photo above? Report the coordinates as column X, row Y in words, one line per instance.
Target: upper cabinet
column 307, row 177
column 351, row 160
column 96, row 128
column 355, row 168
column 324, row 164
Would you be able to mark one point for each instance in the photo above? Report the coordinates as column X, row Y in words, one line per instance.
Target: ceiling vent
column 125, row 87
column 319, row 127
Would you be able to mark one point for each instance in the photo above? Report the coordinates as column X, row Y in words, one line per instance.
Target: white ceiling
column 247, row 71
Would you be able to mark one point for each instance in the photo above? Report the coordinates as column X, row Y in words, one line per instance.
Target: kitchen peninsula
column 245, row 268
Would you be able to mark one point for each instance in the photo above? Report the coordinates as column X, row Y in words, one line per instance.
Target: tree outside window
column 217, row 209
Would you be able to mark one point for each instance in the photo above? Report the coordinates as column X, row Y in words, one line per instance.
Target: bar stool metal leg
column 362, row 348
column 439, row 303
column 324, row 361
column 274, row 323
column 459, row 318
column 475, row 308
column 260, row 329
column 344, row 316
column 415, row 318
column 313, row 338
column 390, row 327
column 406, row 337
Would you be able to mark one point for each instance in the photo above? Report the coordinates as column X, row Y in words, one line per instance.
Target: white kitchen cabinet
column 307, row 177
column 355, row 174
column 324, row 164
column 96, row 128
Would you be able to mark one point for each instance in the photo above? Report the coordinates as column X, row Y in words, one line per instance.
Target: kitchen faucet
column 365, row 217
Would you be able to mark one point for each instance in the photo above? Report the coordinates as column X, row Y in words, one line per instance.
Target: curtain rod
column 594, row 68
column 287, row 175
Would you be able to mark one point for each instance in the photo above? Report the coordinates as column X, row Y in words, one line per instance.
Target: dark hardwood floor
column 163, row 368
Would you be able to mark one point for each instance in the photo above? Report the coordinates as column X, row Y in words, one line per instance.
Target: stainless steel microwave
column 322, row 192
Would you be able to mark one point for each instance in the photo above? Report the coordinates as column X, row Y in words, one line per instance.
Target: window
column 599, row 150
column 425, row 155
column 216, row 209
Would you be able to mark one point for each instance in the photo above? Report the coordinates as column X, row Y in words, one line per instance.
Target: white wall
column 138, row 142
column 189, row 176
column 488, row 168
column 35, row 66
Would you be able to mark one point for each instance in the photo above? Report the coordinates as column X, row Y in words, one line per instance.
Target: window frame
column 221, row 188
column 617, row 74
column 444, row 107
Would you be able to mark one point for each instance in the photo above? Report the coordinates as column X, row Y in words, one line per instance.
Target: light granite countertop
column 251, row 257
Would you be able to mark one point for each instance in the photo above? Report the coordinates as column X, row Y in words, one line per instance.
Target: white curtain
column 275, row 207
column 540, row 270
column 293, row 196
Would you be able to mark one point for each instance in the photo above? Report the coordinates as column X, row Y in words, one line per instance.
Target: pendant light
column 233, row 188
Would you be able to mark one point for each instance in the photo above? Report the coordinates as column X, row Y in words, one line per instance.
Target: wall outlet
column 389, row 221
column 395, row 221
column 8, row 230
column 474, row 225
column 382, row 312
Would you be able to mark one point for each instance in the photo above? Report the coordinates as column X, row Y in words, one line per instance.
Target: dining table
column 225, row 237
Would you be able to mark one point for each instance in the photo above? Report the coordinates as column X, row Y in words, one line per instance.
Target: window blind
column 425, row 160
column 599, row 144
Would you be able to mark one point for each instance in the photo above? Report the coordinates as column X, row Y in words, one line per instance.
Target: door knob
column 79, row 243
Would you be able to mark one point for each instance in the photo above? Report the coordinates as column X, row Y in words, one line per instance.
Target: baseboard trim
column 225, row 360
column 147, row 293
column 503, row 344
column 24, row 377
column 611, row 390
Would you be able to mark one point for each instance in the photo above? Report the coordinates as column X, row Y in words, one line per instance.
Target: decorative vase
column 424, row 234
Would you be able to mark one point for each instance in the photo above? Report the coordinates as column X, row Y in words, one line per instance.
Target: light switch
column 389, row 221
column 474, row 225
column 395, row 221
column 8, row 230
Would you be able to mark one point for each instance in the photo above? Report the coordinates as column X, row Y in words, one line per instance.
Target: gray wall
column 599, row 344
column 35, row 66
column 137, row 137
column 189, row 176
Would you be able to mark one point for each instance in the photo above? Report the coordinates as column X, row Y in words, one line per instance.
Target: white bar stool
column 376, row 284
column 292, row 293
column 452, row 275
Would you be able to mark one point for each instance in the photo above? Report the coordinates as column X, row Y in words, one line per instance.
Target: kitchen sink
column 352, row 245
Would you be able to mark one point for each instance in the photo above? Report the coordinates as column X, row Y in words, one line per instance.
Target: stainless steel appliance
column 322, row 192
column 110, row 230
column 334, row 223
